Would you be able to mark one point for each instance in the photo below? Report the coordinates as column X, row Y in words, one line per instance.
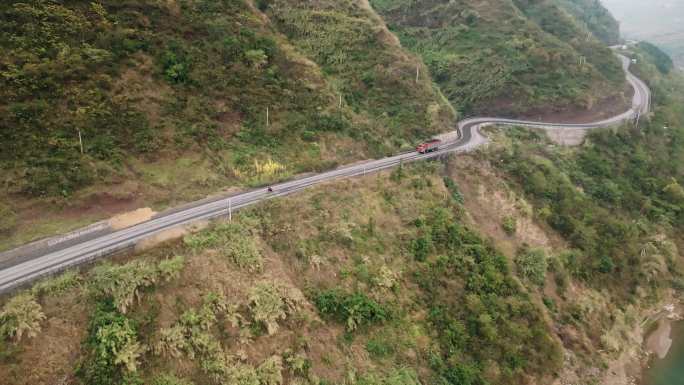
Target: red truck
column 429, row 146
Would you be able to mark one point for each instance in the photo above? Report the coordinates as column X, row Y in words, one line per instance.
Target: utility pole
column 230, row 209
column 417, row 72
column 340, row 106
column 267, row 117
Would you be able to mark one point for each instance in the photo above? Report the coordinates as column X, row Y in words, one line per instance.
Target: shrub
column 124, row 283
column 509, row 225
column 453, row 189
column 269, row 304
column 118, row 341
column 354, row 309
column 57, row 285
column 379, row 348
column 169, row 379
column 420, row 248
column 401, row 376
column 298, row 364
column 190, row 334
column 21, row 316
column 532, row 265
column 176, row 67
column 113, row 348
column 169, row 269
column 256, row 58
column 674, row 192
column 8, row 219
column 270, row 371
column 245, row 254
column 234, row 240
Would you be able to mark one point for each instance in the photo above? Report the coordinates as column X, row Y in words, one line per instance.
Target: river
column 670, row 370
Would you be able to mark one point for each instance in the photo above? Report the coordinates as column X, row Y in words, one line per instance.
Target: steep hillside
column 506, row 57
column 174, row 100
column 379, row 281
column 595, row 17
column 521, row 263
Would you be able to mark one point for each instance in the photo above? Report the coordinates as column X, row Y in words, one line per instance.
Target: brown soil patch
column 132, row 218
column 169, row 235
column 119, row 199
column 659, row 342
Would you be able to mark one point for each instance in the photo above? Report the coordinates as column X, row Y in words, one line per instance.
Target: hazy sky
column 658, row 21
column 648, row 17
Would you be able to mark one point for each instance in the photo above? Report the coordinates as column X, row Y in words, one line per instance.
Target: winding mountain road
column 57, row 258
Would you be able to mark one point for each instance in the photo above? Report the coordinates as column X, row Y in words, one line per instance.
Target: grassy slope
column 171, row 102
column 399, row 241
column 555, row 253
column 505, row 57
column 596, row 18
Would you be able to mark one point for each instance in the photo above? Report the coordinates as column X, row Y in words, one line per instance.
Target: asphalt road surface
column 58, row 258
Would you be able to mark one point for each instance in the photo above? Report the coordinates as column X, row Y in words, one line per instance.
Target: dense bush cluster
column 484, row 321
column 113, row 348
column 123, row 284
column 354, row 309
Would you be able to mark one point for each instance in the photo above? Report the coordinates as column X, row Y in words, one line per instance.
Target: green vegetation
column 484, row 65
column 380, row 280
column 354, row 310
column 595, row 17
column 617, row 202
column 532, row 265
column 484, row 320
column 509, row 225
column 124, row 283
column 179, row 99
column 270, row 303
column 57, row 285
column 8, row 219
column 168, row 379
column 21, row 317
column 234, row 241
column 190, row 335
column 150, row 79
column 369, row 72
column 113, row 348
column 662, row 61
